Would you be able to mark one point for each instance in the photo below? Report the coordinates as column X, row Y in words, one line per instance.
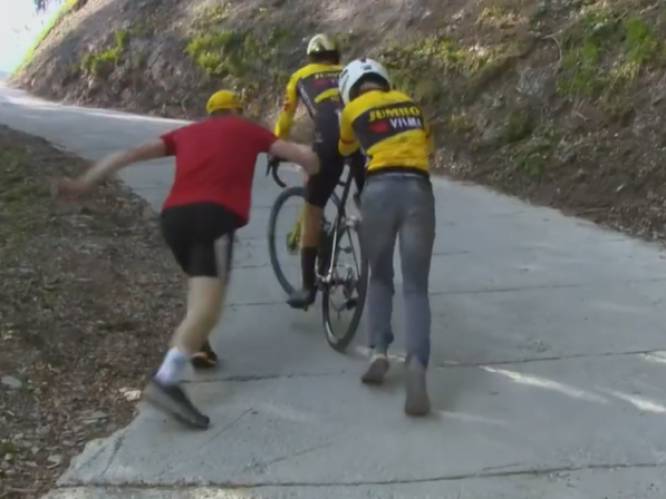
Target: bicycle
column 334, row 279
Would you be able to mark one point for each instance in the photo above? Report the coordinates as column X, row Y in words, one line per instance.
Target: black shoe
column 205, row 358
column 173, row 400
column 302, row 298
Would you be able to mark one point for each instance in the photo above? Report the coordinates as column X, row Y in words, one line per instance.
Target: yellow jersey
column 391, row 130
column 317, row 86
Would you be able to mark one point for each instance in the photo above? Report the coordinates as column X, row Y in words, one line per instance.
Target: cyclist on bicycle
column 316, row 84
column 397, row 203
column 208, row 201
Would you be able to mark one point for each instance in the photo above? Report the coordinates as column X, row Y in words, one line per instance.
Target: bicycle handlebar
column 274, row 164
column 272, row 168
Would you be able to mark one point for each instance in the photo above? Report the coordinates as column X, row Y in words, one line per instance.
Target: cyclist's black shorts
column 320, row 187
column 201, row 235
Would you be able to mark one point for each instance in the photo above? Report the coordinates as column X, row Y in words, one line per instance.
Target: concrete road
column 548, row 379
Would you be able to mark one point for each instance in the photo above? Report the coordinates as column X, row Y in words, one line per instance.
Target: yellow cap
column 223, row 100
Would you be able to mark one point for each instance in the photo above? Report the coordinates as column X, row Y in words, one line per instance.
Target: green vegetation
column 499, row 17
column 534, row 155
column 596, row 33
column 240, row 55
column 50, row 26
column 102, row 62
column 444, row 53
column 604, row 52
column 7, row 447
column 533, row 162
column 17, row 194
column 216, row 53
column 641, row 45
column 460, row 123
column 444, row 57
column 519, row 125
column 210, row 17
column 141, row 29
column 641, row 48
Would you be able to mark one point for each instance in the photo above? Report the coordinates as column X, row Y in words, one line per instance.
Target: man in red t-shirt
column 209, row 199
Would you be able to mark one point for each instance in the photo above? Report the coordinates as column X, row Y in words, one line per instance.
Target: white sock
column 173, row 367
column 378, row 356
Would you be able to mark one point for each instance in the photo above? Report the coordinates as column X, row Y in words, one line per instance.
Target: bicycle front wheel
column 284, row 236
column 344, row 297
column 284, row 226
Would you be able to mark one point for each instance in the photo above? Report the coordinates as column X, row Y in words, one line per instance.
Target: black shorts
column 201, row 238
column 320, row 187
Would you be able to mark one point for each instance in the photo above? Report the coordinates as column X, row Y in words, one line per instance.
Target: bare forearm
column 119, row 160
column 304, row 156
column 297, row 153
column 106, row 166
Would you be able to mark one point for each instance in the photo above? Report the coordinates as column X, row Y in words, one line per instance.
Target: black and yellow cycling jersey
column 317, row 86
column 390, row 128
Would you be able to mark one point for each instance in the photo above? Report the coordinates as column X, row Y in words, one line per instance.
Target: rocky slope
column 558, row 101
column 78, row 292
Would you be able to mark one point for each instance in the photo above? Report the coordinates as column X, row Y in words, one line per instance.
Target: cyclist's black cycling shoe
column 351, row 303
column 173, row 400
column 302, row 298
column 205, row 358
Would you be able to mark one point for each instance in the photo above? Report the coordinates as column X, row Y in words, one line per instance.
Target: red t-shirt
column 215, row 162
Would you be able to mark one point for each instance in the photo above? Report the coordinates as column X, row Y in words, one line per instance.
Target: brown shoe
column 417, row 402
column 205, row 358
column 379, row 366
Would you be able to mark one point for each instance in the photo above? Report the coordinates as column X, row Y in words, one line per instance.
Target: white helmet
column 356, row 70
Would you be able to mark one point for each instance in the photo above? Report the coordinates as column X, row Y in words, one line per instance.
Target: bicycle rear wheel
column 284, row 236
column 345, row 294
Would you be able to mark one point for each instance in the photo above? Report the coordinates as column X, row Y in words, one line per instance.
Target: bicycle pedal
column 351, row 303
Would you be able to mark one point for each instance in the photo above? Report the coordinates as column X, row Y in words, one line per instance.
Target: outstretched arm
column 110, row 164
column 296, row 153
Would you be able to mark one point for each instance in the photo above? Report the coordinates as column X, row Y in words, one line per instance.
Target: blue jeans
column 399, row 207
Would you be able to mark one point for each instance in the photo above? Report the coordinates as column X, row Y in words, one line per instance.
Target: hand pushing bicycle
column 341, row 269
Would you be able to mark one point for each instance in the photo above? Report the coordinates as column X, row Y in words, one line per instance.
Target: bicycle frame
column 343, row 287
column 341, row 215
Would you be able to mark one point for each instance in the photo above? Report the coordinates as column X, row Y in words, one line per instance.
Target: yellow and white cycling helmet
column 321, row 43
column 356, row 71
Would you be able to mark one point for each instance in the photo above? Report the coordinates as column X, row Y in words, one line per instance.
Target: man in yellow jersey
column 316, row 84
column 397, row 203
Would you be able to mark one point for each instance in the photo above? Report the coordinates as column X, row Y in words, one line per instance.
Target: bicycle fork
column 332, row 246
column 331, row 254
